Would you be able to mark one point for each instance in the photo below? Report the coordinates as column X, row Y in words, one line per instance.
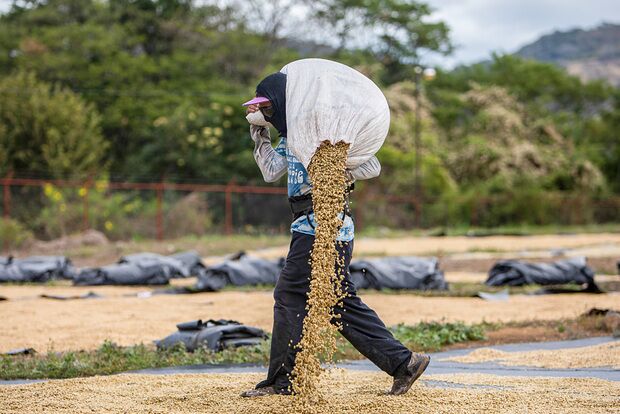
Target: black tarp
column 173, row 266
column 123, row 274
column 407, row 272
column 191, row 260
column 517, row 273
column 37, row 269
column 142, row 269
column 215, row 335
column 390, row 273
column 241, row 270
column 20, row 351
column 89, row 295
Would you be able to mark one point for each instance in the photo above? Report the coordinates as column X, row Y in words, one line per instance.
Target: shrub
column 13, row 234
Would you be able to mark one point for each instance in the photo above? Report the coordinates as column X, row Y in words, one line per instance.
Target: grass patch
column 112, row 359
column 456, row 289
column 207, row 245
column 423, row 337
column 470, row 289
column 432, row 336
column 514, row 230
column 485, row 250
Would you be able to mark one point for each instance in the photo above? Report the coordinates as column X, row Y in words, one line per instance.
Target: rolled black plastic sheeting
column 89, row 295
column 406, row 272
column 390, row 273
column 242, row 270
column 143, row 269
column 37, row 269
column 20, row 351
column 174, row 267
column 123, row 274
column 215, row 335
column 517, row 273
column 191, row 260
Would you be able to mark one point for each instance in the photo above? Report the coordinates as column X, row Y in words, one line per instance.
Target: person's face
column 260, row 114
column 265, row 107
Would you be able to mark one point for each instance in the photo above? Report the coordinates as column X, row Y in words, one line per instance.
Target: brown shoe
column 259, row 392
column 415, row 368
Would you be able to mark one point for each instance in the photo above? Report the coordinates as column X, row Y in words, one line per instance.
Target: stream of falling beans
column 327, row 173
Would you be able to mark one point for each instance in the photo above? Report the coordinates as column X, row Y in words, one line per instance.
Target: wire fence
column 125, row 210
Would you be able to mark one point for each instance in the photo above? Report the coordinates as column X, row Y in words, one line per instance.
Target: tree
column 585, row 113
column 398, row 30
column 137, row 61
column 604, row 143
column 201, row 142
column 47, row 130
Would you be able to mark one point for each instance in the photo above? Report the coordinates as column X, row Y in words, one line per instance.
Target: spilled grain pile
column 602, row 355
column 351, row 392
column 327, row 172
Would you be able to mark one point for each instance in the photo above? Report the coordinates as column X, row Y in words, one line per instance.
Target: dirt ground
column 350, row 392
column 604, row 243
column 480, row 277
column 127, row 319
column 29, row 321
column 603, row 355
column 121, row 316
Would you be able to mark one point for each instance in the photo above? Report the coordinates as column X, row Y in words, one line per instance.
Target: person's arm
column 369, row 169
column 271, row 164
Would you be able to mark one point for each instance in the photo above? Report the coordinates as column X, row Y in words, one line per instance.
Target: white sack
column 329, row 101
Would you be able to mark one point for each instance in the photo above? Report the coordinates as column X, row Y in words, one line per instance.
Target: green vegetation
column 470, row 289
column 151, row 89
column 207, row 245
column 110, row 358
column 45, row 128
column 13, row 234
column 432, row 336
column 511, row 230
column 422, row 337
column 465, row 289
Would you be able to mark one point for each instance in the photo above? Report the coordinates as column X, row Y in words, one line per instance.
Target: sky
column 481, row 27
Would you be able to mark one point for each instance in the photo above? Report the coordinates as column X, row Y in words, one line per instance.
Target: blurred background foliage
column 146, row 90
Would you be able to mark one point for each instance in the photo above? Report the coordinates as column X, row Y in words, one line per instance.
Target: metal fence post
column 6, row 203
column 228, row 224
column 418, row 211
column 8, row 181
column 160, row 214
column 86, row 205
column 6, row 197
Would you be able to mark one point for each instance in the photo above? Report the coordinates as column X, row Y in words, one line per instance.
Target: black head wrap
column 273, row 87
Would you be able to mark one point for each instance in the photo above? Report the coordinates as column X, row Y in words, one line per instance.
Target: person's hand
column 251, row 109
column 259, row 133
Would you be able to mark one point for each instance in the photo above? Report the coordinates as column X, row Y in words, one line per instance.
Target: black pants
column 360, row 325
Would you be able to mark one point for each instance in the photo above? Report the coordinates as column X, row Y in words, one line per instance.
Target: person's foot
column 415, row 368
column 259, row 392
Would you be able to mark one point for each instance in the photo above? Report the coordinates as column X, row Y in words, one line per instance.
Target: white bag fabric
column 329, row 101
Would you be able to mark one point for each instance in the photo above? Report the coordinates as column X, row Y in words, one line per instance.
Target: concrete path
column 447, row 367
column 435, row 367
column 451, row 367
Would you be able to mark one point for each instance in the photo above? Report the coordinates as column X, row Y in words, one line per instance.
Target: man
column 360, row 325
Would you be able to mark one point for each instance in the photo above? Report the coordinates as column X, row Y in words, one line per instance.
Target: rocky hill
column 589, row 54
